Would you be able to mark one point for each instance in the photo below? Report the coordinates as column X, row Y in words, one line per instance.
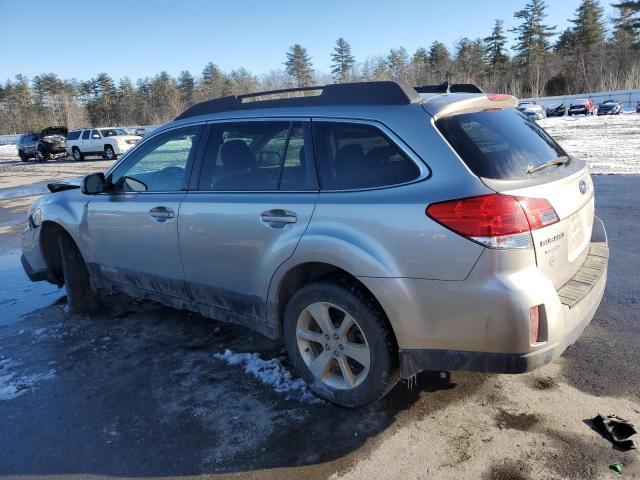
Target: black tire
column 109, row 154
column 81, row 298
column 383, row 372
column 77, row 155
column 22, row 156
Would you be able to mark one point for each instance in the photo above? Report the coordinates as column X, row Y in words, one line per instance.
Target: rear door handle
column 278, row 216
column 161, row 214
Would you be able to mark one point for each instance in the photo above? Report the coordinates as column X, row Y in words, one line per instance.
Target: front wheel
column 109, row 154
column 23, row 156
column 81, row 297
column 77, row 154
column 341, row 344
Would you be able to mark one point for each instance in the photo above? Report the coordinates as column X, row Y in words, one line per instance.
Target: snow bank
column 609, row 144
column 12, row 384
column 8, row 151
column 270, row 372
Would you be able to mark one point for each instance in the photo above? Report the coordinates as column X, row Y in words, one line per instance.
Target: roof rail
column 363, row 93
column 446, row 87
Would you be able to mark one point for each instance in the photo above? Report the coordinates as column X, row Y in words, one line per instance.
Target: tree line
column 594, row 54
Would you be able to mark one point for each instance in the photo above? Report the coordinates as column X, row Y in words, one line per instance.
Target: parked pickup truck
column 104, row 142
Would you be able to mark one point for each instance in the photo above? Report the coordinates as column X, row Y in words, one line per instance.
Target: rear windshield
column 499, row 144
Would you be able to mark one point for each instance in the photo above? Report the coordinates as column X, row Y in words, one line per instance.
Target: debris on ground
column 616, row 467
column 616, row 429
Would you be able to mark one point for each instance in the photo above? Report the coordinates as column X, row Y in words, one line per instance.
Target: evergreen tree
column 532, row 35
column 420, row 66
column 244, row 81
column 342, row 61
column 186, row 86
column 495, row 54
column 298, row 65
column 440, row 61
column 588, row 32
column 398, row 61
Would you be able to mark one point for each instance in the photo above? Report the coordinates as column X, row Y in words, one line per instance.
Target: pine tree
column 298, row 65
column 420, row 66
column 495, row 55
column 186, row 86
column 398, row 61
column 440, row 61
column 532, row 44
column 342, row 61
column 588, row 33
column 244, row 81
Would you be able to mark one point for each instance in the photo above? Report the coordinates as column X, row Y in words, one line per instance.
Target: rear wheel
column 77, row 154
column 109, row 154
column 80, row 296
column 340, row 343
column 39, row 156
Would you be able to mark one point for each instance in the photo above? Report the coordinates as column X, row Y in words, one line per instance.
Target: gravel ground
column 142, row 390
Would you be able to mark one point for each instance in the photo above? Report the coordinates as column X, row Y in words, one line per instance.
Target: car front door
column 85, row 142
column 95, row 142
column 133, row 226
column 254, row 199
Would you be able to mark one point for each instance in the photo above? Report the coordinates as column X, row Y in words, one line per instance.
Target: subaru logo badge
column 582, row 186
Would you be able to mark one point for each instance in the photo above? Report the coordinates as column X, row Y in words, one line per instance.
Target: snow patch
column 270, row 372
column 13, row 384
column 8, row 151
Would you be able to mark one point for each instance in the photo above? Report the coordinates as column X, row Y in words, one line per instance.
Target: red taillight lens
column 534, row 324
column 493, row 215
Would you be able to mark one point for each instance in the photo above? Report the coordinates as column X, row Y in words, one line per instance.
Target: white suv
column 104, row 142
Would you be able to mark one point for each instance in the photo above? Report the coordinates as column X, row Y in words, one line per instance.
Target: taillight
column 497, row 221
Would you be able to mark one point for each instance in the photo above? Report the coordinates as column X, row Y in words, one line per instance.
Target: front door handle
column 278, row 216
column 161, row 214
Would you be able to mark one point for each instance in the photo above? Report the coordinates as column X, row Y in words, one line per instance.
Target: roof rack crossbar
column 446, row 87
column 362, row 93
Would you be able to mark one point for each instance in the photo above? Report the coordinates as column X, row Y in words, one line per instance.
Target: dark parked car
column 638, row 107
column 610, row 107
column 556, row 110
column 582, row 106
column 46, row 145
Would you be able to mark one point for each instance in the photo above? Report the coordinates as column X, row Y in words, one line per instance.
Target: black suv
column 46, row 145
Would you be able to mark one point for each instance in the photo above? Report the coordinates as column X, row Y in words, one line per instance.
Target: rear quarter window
column 499, row 144
column 73, row 135
column 357, row 156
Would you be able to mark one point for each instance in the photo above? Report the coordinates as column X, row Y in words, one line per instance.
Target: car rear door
column 133, row 228
column 253, row 200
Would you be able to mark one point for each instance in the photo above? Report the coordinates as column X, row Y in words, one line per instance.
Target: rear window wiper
column 551, row 163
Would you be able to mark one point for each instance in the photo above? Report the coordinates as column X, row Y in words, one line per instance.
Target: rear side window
column 73, row 135
column 501, row 144
column 256, row 156
column 355, row 156
column 85, row 134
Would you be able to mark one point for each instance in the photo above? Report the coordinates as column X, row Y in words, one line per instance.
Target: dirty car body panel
column 454, row 301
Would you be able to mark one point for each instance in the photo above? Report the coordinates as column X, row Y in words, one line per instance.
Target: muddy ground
column 137, row 391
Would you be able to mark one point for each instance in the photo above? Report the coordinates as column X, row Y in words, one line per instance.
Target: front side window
column 355, row 156
column 158, row 165
column 112, row 132
column 95, row 134
column 256, row 156
column 85, row 134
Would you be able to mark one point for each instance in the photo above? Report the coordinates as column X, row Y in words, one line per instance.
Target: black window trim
column 394, row 139
column 308, row 151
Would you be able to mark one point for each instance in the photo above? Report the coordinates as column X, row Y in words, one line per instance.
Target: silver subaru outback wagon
column 376, row 229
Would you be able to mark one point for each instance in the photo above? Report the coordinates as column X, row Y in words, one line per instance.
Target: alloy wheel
column 333, row 346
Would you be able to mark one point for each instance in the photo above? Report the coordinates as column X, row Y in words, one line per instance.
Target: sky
column 79, row 39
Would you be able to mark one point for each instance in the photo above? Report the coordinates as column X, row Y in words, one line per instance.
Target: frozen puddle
column 19, row 295
column 270, row 372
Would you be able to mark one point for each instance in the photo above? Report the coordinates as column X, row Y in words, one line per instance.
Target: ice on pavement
column 13, row 384
column 609, row 144
column 18, row 295
column 8, row 151
column 270, row 372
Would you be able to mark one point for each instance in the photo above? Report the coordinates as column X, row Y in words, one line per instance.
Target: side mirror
column 93, row 184
column 95, row 136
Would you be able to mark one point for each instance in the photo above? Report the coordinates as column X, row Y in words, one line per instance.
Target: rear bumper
column 482, row 323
